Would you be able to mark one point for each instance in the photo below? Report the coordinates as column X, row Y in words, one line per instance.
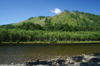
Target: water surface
column 19, row 53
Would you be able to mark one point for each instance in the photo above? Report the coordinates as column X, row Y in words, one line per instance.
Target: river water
column 19, row 53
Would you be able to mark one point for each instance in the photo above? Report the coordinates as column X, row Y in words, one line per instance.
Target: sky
column 14, row 11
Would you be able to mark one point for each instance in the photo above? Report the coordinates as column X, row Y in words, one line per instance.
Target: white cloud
column 56, row 10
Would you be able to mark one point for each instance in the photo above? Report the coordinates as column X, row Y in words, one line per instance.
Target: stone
column 94, row 60
column 77, row 58
column 84, row 64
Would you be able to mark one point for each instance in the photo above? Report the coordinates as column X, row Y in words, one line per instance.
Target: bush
column 50, row 39
column 17, row 41
column 10, row 41
column 54, row 40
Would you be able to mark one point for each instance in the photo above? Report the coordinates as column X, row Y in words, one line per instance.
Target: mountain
column 66, row 21
column 66, row 26
column 74, row 18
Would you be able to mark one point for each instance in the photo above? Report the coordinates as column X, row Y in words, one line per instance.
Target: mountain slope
column 74, row 18
column 34, row 20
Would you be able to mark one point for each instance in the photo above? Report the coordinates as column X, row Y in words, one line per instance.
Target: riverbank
column 79, row 60
column 58, row 42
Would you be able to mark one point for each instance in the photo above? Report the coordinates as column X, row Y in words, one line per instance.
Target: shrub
column 54, row 40
column 17, row 41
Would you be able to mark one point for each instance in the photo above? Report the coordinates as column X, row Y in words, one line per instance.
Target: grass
column 34, row 20
column 58, row 42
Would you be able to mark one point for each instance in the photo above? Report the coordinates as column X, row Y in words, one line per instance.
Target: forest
column 30, row 32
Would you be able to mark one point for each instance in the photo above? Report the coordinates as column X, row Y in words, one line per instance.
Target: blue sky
column 14, row 11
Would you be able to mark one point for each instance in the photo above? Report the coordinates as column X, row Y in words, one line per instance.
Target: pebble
column 84, row 61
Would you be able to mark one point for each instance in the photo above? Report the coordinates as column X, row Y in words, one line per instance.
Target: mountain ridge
column 72, row 18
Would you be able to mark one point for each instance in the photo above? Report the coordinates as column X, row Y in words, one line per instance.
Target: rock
column 90, row 57
column 42, row 65
column 77, row 58
column 38, row 62
column 84, row 64
column 71, row 61
column 50, row 62
column 86, row 56
column 94, row 60
column 98, row 62
column 54, row 63
column 67, row 62
column 31, row 63
column 61, row 61
column 96, row 54
column 77, row 63
column 84, row 60
column 54, row 59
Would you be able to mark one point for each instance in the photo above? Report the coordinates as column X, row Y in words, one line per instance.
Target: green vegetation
column 74, row 18
column 65, row 27
column 8, row 26
column 19, row 35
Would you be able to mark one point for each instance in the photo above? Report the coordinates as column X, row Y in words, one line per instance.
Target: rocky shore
column 79, row 60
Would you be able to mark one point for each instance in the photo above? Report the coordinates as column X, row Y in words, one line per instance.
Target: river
column 23, row 52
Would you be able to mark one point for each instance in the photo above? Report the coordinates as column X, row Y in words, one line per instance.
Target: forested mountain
column 66, row 21
column 66, row 26
column 74, row 19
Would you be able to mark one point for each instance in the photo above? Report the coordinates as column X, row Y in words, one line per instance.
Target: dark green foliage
column 31, row 18
column 53, row 39
column 75, row 16
column 48, row 26
column 46, row 20
column 4, row 34
column 38, row 27
column 85, row 22
column 67, row 11
column 95, row 18
column 84, row 25
column 41, row 17
column 57, row 27
column 18, row 35
column 65, row 27
column 29, row 26
column 17, row 41
column 8, row 26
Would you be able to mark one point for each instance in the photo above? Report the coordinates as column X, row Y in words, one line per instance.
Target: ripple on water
column 19, row 53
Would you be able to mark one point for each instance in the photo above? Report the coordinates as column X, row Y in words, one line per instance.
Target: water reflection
column 20, row 53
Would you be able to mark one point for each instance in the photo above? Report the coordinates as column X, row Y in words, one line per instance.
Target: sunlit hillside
column 74, row 18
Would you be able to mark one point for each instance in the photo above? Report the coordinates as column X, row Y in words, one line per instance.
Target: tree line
column 18, row 35
column 56, row 27
column 49, row 27
column 8, row 26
